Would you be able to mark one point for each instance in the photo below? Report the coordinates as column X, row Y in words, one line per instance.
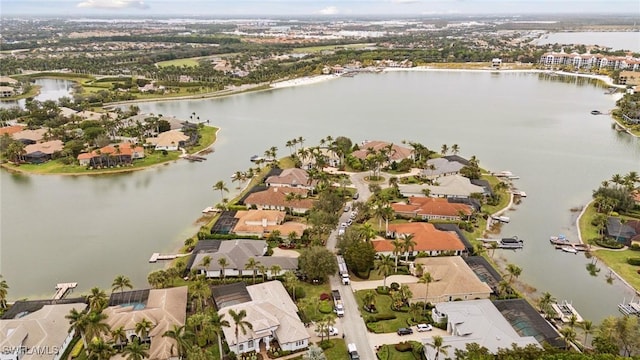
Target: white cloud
column 405, row 1
column 113, row 4
column 331, row 10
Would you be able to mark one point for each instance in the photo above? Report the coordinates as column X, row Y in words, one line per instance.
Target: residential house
column 474, row 321
column 237, row 253
column 163, row 308
column 428, row 240
column 261, row 223
column 292, row 178
column 453, row 280
column 29, row 137
column 329, row 157
column 92, row 115
column 270, row 311
column 622, row 232
column 280, row 198
column 440, row 167
column 446, row 186
column 629, row 78
column 7, row 91
column 41, row 152
column 426, row 208
column 170, row 140
column 39, row 325
column 11, row 129
column 397, row 153
column 123, row 153
column 67, row 112
column 5, row 80
column 591, row 61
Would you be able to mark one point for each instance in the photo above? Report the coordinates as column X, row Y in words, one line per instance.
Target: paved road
column 392, row 338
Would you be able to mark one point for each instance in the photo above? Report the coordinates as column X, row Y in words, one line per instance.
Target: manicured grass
column 286, row 163
column 309, row 304
column 383, row 304
column 207, row 138
column 588, row 231
column 617, row 260
column 505, row 197
column 313, row 49
column 389, row 352
column 35, row 90
column 338, row 351
column 191, row 62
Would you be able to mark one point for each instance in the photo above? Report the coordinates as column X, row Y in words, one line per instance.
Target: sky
column 327, row 8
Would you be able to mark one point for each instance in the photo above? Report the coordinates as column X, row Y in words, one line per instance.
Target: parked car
column 356, row 196
column 347, row 208
column 333, row 331
column 424, row 327
column 405, row 331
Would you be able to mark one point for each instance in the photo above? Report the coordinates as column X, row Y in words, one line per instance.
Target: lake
column 90, row 229
column 629, row 40
column 51, row 89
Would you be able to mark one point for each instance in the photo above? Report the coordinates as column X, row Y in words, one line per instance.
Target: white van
column 353, row 352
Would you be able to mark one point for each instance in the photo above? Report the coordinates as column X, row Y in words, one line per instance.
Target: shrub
column 609, row 244
column 324, row 345
column 324, row 296
column 77, row 349
column 635, row 261
column 325, row 307
column 403, row 346
column 395, row 286
column 635, row 247
column 382, row 290
column 300, row 293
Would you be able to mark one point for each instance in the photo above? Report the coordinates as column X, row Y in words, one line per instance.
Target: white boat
column 504, row 174
column 210, row 209
column 565, row 310
column 504, row 219
column 513, row 177
column 569, row 249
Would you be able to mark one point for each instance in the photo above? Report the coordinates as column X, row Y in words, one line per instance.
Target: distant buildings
column 591, row 61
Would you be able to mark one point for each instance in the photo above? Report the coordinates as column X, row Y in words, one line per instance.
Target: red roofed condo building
column 426, row 208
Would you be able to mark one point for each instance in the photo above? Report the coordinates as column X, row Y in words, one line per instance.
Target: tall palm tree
column 514, row 272
column 222, row 187
column 455, row 149
column 568, row 335
column 200, row 292
column 181, row 336
column 291, row 281
column 544, row 303
column 136, row 351
column 275, row 270
column 217, row 323
column 100, row 350
column 3, row 293
column 369, row 299
column 120, row 283
column 397, row 249
column 330, row 320
column 78, row 321
column 409, row 244
column 426, row 278
column 240, row 324
column 143, row 327
column 223, row 265
column 588, row 328
column 252, row 264
column 95, row 325
column 444, row 149
column 368, row 231
column 97, row 299
column 438, row 346
column 205, row 262
column 385, row 266
column 119, row 336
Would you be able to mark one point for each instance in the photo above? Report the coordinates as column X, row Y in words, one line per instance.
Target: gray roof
column 619, row 230
column 454, row 185
column 237, row 252
column 442, row 166
column 477, row 321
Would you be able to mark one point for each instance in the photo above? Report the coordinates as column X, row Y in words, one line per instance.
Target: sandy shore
column 307, row 80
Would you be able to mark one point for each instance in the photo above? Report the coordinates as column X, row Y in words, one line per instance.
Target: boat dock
column 155, row 257
column 630, row 308
column 565, row 310
column 193, row 158
column 562, row 243
column 63, row 288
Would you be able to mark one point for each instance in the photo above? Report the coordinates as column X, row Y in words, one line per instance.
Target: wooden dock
column 195, row 158
column 63, row 288
column 155, row 257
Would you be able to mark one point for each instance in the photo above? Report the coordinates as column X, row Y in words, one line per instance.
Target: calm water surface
column 52, row 89
column 90, row 229
column 616, row 40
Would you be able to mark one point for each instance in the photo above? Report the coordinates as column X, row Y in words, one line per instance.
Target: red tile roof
column 398, row 154
column 426, row 236
column 277, row 196
column 431, row 206
column 11, row 129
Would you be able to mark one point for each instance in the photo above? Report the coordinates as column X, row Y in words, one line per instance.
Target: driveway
column 372, row 284
column 392, row 338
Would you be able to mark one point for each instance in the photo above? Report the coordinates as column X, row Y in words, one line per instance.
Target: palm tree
column 291, row 281
column 3, row 293
column 252, row 264
column 455, row 149
column 222, row 187
column 426, row 278
column 223, row 265
column 143, row 327
column 544, row 303
column 181, row 336
column 369, row 299
column 588, row 328
column 397, row 248
column 205, row 262
column 409, row 244
column 100, row 350
column 368, row 231
column 97, row 299
column 569, row 336
column 78, row 321
column 384, row 265
column 217, row 323
column 119, row 336
column 240, row 324
column 514, row 272
column 275, row 270
column 135, row 351
column 121, row 282
column 200, row 292
column 438, row 346
column 444, row 150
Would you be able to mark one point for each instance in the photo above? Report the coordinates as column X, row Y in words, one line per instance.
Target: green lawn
column 617, row 260
column 338, row 351
column 389, row 352
column 207, row 138
column 313, row 49
column 383, row 304
column 309, row 304
column 588, row 231
column 192, row 62
column 505, row 197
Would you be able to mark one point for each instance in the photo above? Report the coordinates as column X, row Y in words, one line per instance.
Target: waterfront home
column 11, row 129
column 453, row 280
column 28, row 136
column 270, row 311
column 163, row 308
column 397, row 153
column 95, row 116
column 280, row 198
column 622, row 233
column 5, row 80
column 7, row 91
column 237, row 254
column 42, row 152
column 428, row 240
column 39, row 324
column 123, row 153
column 426, row 208
column 261, row 223
column 474, row 321
column 440, row 167
column 456, row 186
column 292, row 178
column 170, row 140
